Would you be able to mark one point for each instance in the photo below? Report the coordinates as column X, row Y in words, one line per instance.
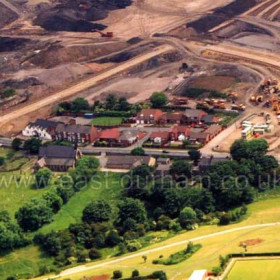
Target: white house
column 40, row 128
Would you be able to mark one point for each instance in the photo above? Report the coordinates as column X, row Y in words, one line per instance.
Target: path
column 11, row 7
column 84, row 268
column 57, row 97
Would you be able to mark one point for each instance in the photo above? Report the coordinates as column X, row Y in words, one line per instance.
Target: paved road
column 55, row 98
column 84, row 268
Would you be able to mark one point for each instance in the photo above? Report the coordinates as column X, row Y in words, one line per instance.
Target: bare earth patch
column 251, row 242
column 217, row 83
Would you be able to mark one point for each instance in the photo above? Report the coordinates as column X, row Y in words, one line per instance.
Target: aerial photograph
column 140, row 139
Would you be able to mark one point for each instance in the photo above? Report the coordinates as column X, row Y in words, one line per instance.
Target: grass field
column 212, row 247
column 107, row 121
column 28, row 260
column 255, row 269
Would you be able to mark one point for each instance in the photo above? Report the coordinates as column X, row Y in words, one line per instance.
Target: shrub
column 94, row 254
column 135, row 273
column 117, row 274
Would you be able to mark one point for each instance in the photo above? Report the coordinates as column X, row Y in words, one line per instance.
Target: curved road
column 84, row 268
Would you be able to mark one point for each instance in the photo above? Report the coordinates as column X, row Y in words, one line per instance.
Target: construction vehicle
column 239, row 107
column 107, row 34
column 220, row 106
column 253, row 98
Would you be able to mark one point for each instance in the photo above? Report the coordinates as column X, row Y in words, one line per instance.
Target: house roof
column 75, row 128
column 160, row 134
column 181, row 129
column 43, row 123
column 127, row 135
column 209, row 118
column 56, row 151
column 193, row 113
column 148, row 113
column 177, row 116
column 198, row 274
column 113, row 133
column 60, row 162
column 198, row 135
column 214, row 128
column 127, row 162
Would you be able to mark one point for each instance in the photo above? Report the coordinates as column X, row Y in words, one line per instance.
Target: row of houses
column 182, row 133
column 50, row 130
column 188, row 117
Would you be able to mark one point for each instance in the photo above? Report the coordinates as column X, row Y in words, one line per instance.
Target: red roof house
column 149, row 116
column 110, row 135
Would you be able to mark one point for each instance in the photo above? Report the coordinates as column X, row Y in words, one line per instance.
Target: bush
column 94, row 254
column 2, row 161
column 225, row 219
column 135, row 273
column 216, row 270
column 117, row 274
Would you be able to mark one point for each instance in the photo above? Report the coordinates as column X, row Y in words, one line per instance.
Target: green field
column 28, row 260
column 107, row 121
column 255, row 269
column 207, row 257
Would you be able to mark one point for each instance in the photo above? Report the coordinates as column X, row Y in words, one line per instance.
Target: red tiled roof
column 160, row 134
column 181, row 129
column 173, row 116
column 113, row 133
column 157, row 113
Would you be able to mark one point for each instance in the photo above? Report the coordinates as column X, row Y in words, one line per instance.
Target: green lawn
column 207, row 257
column 255, row 269
column 106, row 186
column 107, row 121
column 28, row 260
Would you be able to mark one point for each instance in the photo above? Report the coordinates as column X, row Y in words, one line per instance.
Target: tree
column 64, row 187
column 32, row 145
column 88, row 163
column 113, row 238
column 139, row 151
column 110, row 102
column 53, row 200
column 80, row 104
column 144, row 258
column 131, row 208
column 158, row 100
column 94, row 254
column 225, row 219
column 2, row 161
column 180, row 170
column 194, row 155
column 135, row 273
column 123, row 104
column 34, row 214
column 43, row 178
column 117, row 274
column 52, row 243
column 187, row 217
column 97, row 211
column 242, row 149
column 16, row 144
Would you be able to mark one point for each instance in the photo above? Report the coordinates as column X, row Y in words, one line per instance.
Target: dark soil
column 20, row 84
column 77, row 16
column 6, row 16
column 126, row 55
column 221, row 15
column 8, row 44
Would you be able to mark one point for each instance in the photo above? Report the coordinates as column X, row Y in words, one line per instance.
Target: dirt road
column 55, row 98
column 10, row 6
column 84, row 268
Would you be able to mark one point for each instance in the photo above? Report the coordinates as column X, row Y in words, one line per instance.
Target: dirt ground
column 154, row 16
column 218, row 83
